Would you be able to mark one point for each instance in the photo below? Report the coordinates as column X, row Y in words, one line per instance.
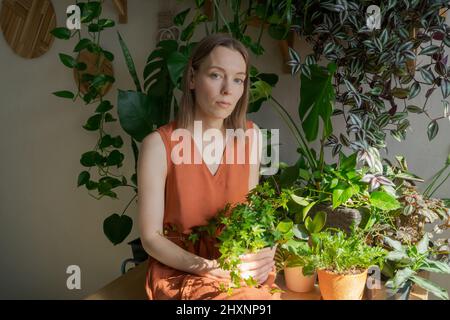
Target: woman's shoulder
column 168, row 127
column 252, row 125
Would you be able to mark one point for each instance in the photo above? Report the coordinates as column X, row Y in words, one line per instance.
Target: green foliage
column 299, row 254
column 377, row 71
column 248, row 227
column 405, row 261
column 339, row 253
column 317, row 97
column 106, row 153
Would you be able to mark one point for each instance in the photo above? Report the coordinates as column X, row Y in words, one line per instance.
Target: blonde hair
column 238, row 118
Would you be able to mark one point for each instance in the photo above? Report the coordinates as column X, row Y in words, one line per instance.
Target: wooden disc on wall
column 96, row 64
column 26, row 26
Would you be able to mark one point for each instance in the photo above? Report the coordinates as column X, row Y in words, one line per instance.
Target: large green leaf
column 260, row 89
column 176, row 63
column 397, row 245
column 347, row 163
column 316, row 101
column 130, row 63
column 89, row 10
column 422, row 246
column 431, row 287
column 315, row 225
column 157, row 78
column 437, row 266
column 341, row 195
column 136, row 112
column 117, row 228
column 300, row 200
column 401, row 277
column 384, row 201
column 61, row 33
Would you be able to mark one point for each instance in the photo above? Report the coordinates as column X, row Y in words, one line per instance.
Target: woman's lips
column 224, row 104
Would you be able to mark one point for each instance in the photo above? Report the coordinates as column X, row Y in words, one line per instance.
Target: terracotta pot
column 296, row 281
column 335, row 286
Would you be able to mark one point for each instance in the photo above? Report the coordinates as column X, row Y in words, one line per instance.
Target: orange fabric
column 193, row 196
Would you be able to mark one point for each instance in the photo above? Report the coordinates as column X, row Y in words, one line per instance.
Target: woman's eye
column 240, row 81
column 214, row 75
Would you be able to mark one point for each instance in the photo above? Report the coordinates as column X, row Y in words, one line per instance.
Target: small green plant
column 258, row 223
column 405, row 261
column 298, row 253
column 338, row 253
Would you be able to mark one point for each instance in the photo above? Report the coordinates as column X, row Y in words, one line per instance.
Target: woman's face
column 219, row 83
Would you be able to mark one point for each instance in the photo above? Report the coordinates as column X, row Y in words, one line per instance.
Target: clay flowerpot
column 296, row 281
column 334, row 286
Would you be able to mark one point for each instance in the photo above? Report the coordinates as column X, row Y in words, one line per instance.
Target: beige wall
column 49, row 224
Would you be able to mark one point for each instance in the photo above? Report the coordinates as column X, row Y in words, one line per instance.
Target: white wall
column 49, row 224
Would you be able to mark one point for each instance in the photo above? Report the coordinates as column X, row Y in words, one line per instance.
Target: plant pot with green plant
column 403, row 265
column 296, row 257
column 408, row 225
column 247, row 227
column 342, row 262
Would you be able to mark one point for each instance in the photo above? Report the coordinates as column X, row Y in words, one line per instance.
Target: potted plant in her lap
column 403, row 265
column 258, row 223
column 342, row 262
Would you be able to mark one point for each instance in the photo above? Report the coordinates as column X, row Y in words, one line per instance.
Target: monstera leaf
column 316, row 100
column 136, row 113
column 158, row 82
column 261, row 88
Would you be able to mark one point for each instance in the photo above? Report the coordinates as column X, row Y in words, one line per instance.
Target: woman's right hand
column 258, row 265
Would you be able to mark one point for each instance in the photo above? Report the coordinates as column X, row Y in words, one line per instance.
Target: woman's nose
column 226, row 87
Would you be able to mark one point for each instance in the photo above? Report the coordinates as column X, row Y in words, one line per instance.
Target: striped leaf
column 427, row 75
column 432, row 130
column 445, row 88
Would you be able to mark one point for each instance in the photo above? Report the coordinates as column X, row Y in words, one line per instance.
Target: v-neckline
column 203, row 163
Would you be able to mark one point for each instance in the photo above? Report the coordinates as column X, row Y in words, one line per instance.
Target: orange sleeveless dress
column 193, row 195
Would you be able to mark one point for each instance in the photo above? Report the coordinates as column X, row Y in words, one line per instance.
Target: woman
column 174, row 197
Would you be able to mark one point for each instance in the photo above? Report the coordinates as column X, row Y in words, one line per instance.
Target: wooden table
column 130, row 286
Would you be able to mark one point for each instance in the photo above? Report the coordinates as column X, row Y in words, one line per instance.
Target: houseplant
column 404, row 263
column 342, row 261
column 296, row 256
column 258, row 223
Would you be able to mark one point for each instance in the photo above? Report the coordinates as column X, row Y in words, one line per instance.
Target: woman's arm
column 253, row 180
column 152, row 172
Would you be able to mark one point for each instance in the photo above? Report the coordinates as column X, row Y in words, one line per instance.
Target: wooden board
column 26, row 26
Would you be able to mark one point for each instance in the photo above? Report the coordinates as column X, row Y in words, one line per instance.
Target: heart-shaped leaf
column 117, row 228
